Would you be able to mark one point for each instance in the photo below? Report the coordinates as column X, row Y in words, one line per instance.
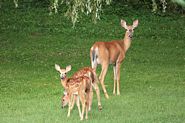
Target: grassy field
column 152, row 75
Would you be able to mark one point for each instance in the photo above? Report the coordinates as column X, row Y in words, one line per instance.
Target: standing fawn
column 113, row 52
column 79, row 87
column 85, row 72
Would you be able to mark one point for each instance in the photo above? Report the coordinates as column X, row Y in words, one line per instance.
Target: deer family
column 105, row 53
column 85, row 72
column 79, row 87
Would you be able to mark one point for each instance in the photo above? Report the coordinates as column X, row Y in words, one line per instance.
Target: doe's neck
column 127, row 41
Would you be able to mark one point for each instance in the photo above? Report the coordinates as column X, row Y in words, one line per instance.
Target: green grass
column 152, row 75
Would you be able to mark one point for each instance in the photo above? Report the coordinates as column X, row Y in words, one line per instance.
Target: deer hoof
column 118, row 93
column 81, row 118
column 100, row 108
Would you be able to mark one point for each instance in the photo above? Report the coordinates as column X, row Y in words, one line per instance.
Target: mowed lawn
column 152, row 75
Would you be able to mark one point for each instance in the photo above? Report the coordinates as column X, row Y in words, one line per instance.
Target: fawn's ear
column 124, row 24
column 68, row 68
column 135, row 23
column 57, row 67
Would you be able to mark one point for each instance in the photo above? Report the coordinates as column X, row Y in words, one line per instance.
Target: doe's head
column 63, row 72
column 129, row 28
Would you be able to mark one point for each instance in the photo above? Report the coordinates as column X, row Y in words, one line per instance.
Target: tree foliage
column 74, row 9
column 180, row 2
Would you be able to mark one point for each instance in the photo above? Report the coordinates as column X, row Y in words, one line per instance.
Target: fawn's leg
column 78, row 105
column 73, row 101
column 90, row 98
column 82, row 99
column 69, row 106
column 87, row 104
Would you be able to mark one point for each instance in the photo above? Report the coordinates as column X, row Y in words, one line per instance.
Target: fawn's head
column 63, row 72
column 129, row 28
column 65, row 99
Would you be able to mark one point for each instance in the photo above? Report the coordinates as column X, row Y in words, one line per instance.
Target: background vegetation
column 74, row 9
column 152, row 75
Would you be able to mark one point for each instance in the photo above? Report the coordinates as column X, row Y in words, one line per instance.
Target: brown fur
column 113, row 52
column 86, row 71
column 79, row 87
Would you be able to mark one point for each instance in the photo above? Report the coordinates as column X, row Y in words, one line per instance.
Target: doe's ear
column 68, row 68
column 57, row 67
column 124, row 24
column 135, row 23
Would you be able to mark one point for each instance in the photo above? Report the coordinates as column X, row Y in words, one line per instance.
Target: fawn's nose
column 62, row 76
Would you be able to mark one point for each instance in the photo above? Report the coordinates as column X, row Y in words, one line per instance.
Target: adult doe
column 105, row 53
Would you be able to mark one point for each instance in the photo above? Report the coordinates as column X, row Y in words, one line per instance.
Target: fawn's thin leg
column 90, row 98
column 87, row 104
column 82, row 99
column 73, row 101
column 69, row 106
column 78, row 105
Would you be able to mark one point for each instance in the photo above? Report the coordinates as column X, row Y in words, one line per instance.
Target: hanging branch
column 180, row 2
column 164, row 5
column 54, row 6
column 75, row 7
column 16, row 3
column 154, row 6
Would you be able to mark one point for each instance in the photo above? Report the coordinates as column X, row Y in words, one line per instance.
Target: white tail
column 113, row 52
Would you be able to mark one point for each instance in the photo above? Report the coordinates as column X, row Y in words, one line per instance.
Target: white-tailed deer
column 86, row 71
column 79, row 87
column 113, row 52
